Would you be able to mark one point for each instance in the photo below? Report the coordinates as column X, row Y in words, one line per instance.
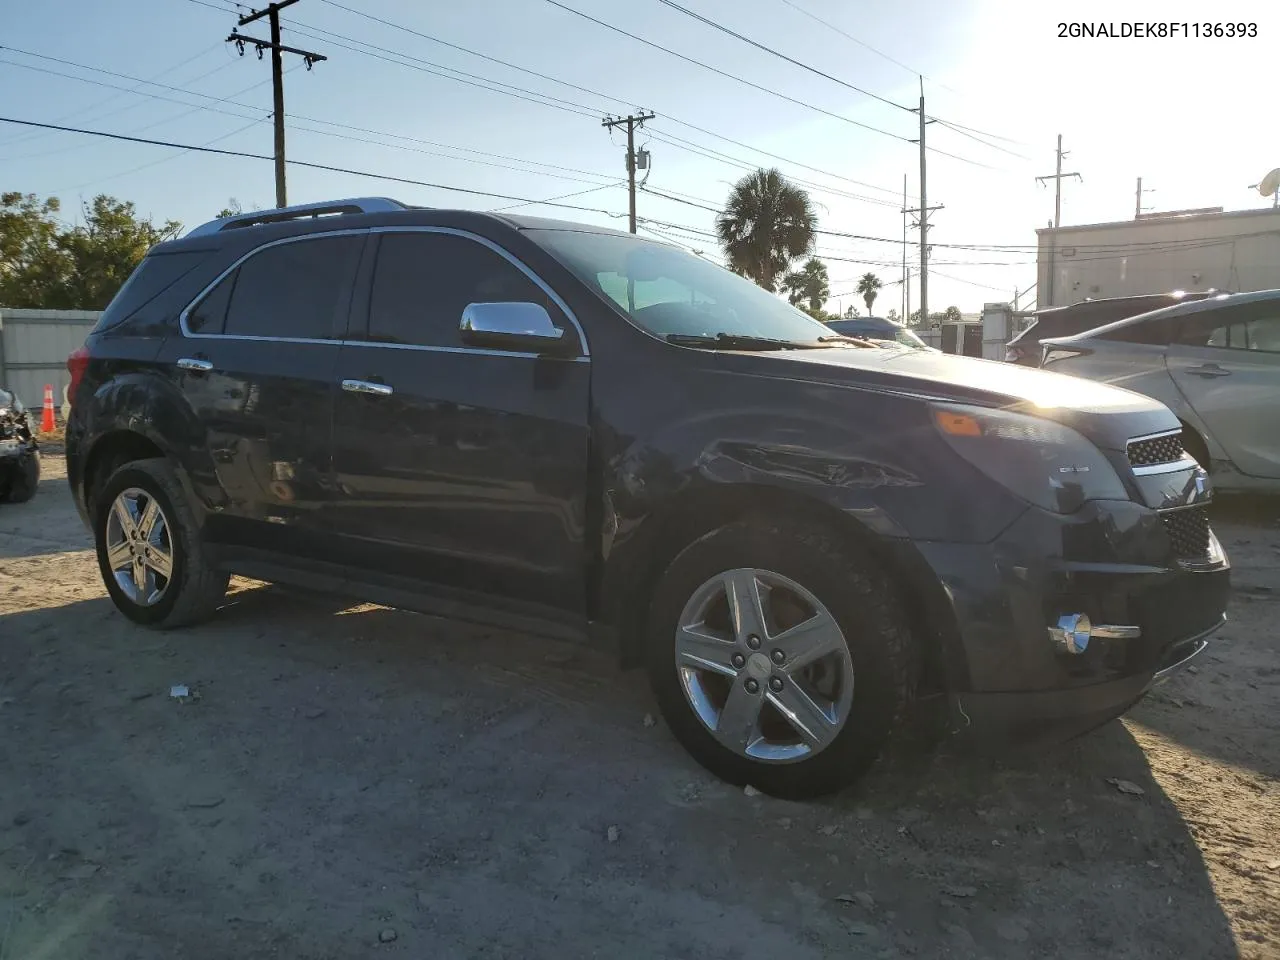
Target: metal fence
column 34, row 346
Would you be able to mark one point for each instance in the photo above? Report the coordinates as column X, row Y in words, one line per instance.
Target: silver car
column 1215, row 363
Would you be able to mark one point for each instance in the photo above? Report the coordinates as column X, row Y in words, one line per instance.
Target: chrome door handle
column 365, row 386
column 1209, row 370
column 195, row 366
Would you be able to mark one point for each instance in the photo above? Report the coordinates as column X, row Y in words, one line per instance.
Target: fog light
column 1072, row 633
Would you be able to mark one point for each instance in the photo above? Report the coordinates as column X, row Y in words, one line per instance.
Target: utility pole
column 632, row 123
column 1057, row 212
column 923, row 212
column 1137, row 206
column 272, row 12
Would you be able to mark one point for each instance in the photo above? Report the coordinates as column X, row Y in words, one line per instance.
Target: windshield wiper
column 736, row 341
column 842, row 338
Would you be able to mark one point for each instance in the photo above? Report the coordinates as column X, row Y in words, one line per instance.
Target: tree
column 810, row 283
column 893, row 315
column 766, row 224
column 232, row 209
column 952, row 315
column 106, row 249
column 32, row 269
column 850, row 312
column 44, row 264
column 868, row 287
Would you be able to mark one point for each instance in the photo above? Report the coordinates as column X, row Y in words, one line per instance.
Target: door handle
column 366, row 386
column 194, row 365
column 1209, row 370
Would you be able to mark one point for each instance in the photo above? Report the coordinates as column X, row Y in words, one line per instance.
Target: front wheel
column 152, row 559
column 780, row 657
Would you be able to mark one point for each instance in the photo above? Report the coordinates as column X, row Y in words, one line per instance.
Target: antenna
column 1269, row 186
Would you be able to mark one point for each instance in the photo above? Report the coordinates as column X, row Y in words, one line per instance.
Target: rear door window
column 296, row 290
column 1254, row 327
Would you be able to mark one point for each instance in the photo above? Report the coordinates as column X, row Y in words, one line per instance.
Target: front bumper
column 1117, row 563
column 1053, row 716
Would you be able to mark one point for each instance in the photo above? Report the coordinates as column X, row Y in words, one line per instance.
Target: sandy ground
column 357, row 782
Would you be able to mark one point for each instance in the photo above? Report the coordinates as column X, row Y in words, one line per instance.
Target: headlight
column 1039, row 460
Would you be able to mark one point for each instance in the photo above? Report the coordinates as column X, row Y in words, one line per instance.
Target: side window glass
column 423, row 281
column 210, row 314
column 1263, row 334
column 1246, row 328
column 297, row 290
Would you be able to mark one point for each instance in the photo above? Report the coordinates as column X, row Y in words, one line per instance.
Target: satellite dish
column 1269, row 183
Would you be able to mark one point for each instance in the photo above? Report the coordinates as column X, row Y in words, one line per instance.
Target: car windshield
column 678, row 296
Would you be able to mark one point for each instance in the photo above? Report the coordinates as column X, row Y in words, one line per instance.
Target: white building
column 1159, row 252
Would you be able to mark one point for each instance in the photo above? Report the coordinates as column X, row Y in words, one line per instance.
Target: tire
column 25, row 482
column 873, row 641
column 195, row 587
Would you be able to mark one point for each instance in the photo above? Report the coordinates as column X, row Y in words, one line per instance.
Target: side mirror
column 521, row 327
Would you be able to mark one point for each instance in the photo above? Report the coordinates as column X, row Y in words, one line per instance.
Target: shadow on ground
column 344, row 774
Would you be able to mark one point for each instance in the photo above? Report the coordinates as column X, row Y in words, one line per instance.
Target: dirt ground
column 360, row 782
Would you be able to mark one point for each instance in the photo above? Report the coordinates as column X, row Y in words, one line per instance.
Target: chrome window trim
column 186, row 311
column 472, row 350
column 1153, row 436
column 511, row 259
column 585, row 356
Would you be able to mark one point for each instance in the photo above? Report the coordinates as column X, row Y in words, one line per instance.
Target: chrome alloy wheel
column 764, row 665
column 139, row 546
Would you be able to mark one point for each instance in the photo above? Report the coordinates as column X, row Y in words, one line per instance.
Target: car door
column 1226, row 363
column 255, row 363
column 458, row 466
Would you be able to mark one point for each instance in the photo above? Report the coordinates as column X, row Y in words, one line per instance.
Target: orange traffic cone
column 47, row 424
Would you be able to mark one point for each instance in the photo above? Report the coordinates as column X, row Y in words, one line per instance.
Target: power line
column 776, row 53
column 573, row 86
column 849, row 36
column 570, row 106
column 228, row 99
column 724, row 73
column 305, row 163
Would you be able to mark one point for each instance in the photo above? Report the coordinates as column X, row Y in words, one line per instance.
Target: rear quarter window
column 157, row 273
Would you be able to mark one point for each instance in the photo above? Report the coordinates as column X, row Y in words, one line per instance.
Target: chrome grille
column 1188, row 531
column 1153, row 450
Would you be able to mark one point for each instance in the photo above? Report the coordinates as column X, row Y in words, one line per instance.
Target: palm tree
column 868, row 287
column 765, row 225
column 809, row 283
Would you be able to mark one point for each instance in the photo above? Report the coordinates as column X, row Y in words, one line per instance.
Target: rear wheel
column 779, row 657
column 152, row 560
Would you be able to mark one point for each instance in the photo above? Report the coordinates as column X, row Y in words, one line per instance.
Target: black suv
column 1087, row 315
column 565, row 429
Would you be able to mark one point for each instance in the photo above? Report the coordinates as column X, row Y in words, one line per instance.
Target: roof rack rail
column 301, row 211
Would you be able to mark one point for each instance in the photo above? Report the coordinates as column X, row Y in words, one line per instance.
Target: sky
column 1192, row 117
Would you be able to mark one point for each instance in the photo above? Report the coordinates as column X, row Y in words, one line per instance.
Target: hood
column 1107, row 415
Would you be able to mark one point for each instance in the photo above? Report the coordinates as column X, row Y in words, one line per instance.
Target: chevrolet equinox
column 563, row 429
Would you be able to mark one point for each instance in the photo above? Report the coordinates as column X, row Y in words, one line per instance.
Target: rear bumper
column 1045, row 717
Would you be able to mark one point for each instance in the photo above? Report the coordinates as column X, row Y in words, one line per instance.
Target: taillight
column 77, row 364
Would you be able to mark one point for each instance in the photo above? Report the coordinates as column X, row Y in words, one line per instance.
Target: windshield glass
column 888, row 332
column 669, row 292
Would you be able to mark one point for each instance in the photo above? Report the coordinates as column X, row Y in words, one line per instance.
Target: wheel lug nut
column 775, row 684
column 753, row 642
column 778, row 656
column 739, row 660
column 752, row 686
